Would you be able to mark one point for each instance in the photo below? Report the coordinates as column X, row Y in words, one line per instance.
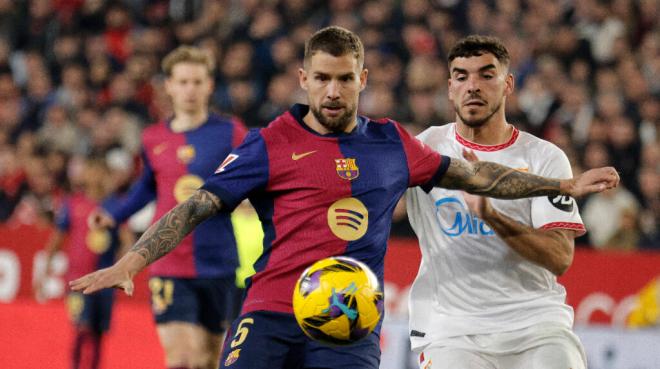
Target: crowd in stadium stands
column 81, row 78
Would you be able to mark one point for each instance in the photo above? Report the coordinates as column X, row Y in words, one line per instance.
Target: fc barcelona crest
column 347, row 169
column 185, row 153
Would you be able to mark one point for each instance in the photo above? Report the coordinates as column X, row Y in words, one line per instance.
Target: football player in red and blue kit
column 87, row 250
column 324, row 182
column 194, row 293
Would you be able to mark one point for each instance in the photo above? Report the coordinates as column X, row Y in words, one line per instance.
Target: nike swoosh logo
column 295, row 156
column 160, row 148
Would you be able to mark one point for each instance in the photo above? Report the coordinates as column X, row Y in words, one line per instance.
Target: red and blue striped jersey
column 320, row 195
column 175, row 165
column 87, row 250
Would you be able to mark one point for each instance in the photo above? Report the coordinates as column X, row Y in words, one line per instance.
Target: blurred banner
column 602, row 286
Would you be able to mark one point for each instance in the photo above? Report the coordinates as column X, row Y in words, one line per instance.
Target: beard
column 334, row 124
column 477, row 122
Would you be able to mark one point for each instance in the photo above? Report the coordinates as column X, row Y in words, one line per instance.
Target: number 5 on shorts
column 241, row 332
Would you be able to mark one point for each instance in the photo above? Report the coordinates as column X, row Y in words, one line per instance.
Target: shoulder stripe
column 579, row 227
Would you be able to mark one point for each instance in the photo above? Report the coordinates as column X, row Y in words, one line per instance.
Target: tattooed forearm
column 164, row 235
column 495, row 180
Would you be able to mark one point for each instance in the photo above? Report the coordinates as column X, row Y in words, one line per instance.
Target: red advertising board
column 601, row 286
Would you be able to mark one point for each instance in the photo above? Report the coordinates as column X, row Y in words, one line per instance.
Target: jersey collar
column 488, row 148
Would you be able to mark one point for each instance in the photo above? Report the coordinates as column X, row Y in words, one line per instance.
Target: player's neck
column 95, row 193
column 184, row 121
column 494, row 132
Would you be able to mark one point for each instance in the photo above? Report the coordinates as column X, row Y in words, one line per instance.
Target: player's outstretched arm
column 158, row 240
column 496, row 180
column 552, row 249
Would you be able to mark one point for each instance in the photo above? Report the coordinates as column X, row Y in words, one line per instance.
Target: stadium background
column 81, row 77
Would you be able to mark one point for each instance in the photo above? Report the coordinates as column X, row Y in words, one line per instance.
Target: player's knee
column 187, row 356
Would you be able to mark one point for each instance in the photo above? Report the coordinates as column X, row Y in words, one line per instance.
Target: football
column 338, row 301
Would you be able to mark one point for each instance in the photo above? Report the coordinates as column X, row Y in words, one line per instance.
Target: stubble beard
column 338, row 124
column 476, row 123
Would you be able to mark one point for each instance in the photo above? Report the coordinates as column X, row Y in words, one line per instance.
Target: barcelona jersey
column 88, row 250
column 175, row 166
column 320, row 195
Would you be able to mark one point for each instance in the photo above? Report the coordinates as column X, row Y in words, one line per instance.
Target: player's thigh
column 91, row 311
column 180, row 339
column 364, row 354
column 548, row 356
column 173, row 300
column 444, row 357
column 217, row 303
column 263, row 340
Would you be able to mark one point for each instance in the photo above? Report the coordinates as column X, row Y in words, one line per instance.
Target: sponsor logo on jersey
column 98, row 240
column 347, row 168
column 295, row 156
column 562, row 202
column 455, row 219
column 348, row 219
column 185, row 186
column 232, row 357
column 185, row 153
column 228, row 160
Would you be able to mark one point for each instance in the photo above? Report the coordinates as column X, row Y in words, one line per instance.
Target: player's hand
column 112, row 277
column 100, row 219
column 478, row 205
column 593, row 180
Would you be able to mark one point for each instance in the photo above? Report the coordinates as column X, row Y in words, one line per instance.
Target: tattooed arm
column 161, row 238
column 496, row 180
column 165, row 235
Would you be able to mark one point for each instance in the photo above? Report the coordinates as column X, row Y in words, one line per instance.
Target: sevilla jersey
column 470, row 281
column 320, row 195
column 175, row 166
column 88, row 250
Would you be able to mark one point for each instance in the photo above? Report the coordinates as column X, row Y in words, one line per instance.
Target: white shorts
column 543, row 346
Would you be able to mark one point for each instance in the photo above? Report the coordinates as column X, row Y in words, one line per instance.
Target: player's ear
column 363, row 78
column 167, row 85
column 302, row 78
column 509, row 84
column 450, row 91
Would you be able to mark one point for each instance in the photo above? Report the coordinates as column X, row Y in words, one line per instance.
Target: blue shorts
column 210, row 302
column 269, row 340
column 92, row 311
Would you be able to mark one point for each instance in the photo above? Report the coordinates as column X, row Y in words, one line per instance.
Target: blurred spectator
column 81, row 76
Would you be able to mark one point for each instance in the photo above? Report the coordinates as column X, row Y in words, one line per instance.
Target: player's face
column 189, row 87
column 333, row 85
column 478, row 86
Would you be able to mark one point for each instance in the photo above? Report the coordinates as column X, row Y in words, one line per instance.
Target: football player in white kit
column 486, row 295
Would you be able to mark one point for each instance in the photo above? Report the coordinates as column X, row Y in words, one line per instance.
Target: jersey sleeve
column 63, row 217
column 425, row 166
column 139, row 195
column 244, row 170
column 556, row 212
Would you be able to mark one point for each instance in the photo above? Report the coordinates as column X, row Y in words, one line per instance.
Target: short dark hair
column 477, row 45
column 336, row 41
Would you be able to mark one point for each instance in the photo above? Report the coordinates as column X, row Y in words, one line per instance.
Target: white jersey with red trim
column 470, row 281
